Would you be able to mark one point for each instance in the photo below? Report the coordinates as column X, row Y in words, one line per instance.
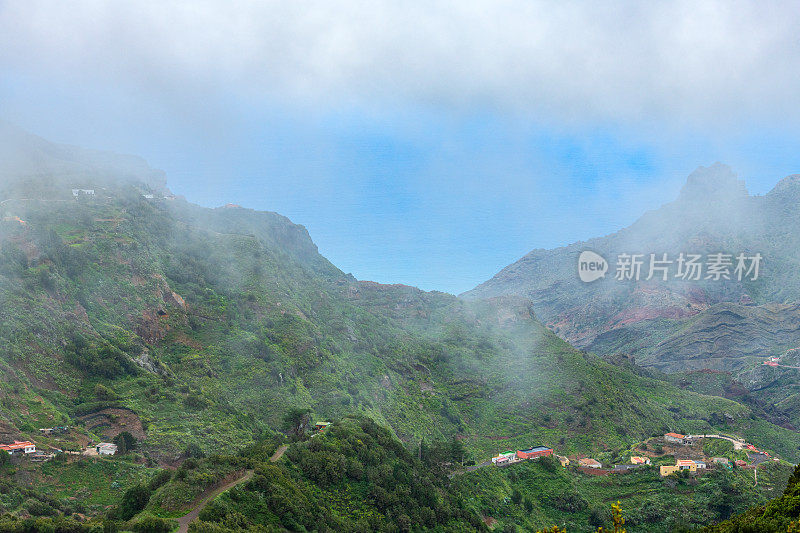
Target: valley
column 188, row 337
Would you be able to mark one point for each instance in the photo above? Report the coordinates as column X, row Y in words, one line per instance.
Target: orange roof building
column 19, row 447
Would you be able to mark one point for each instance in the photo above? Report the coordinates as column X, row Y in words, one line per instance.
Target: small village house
column 588, row 462
column 638, row 460
column 504, row 458
column 533, row 453
column 57, row 430
column 106, row 448
column 666, row 470
column 677, row 438
column 78, row 192
column 19, row 447
column 563, row 460
column 681, row 464
column 720, row 460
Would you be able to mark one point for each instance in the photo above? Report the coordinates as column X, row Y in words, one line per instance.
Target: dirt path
column 278, row 453
column 185, row 520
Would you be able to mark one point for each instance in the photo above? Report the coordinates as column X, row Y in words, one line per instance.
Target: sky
column 431, row 142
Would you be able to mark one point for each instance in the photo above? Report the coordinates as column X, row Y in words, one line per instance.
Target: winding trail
column 278, row 453
column 185, row 520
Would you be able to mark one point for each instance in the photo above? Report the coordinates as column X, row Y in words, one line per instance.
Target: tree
column 194, row 451
column 297, row 421
column 133, row 501
column 102, row 392
column 125, row 442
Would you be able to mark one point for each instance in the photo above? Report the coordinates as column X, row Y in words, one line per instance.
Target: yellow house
column 682, row 464
column 563, row 460
column 667, row 470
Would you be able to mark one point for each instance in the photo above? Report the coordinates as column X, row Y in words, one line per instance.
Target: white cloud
column 707, row 61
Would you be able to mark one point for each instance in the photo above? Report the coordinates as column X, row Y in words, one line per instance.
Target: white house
column 19, row 447
column 677, row 438
column 78, row 192
column 106, row 448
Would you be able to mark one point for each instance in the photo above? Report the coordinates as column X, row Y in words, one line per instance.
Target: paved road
column 737, row 444
column 475, row 467
column 185, row 520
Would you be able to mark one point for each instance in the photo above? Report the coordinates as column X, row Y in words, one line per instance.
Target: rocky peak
column 788, row 187
column 717, row 182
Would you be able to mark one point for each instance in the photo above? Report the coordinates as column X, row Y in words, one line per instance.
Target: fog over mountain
column 677, row 325
column 235, row 239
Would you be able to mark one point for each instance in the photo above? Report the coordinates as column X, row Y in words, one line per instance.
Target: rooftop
column 16, row 445
column 536, row 449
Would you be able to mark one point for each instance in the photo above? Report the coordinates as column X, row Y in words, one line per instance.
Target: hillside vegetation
column 196, row 331
column 205, row 326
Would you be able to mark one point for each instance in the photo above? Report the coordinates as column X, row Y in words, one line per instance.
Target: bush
column 153, row 524
column 162, row 478
column 194, row 451
column 133, row 501
column 39, row 508
column 102, row 392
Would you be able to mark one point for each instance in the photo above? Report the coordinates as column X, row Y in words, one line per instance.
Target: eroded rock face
column 717, row 182
column 175, row 299
column 147, row 363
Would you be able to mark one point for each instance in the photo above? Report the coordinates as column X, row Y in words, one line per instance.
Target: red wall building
column 536, row 451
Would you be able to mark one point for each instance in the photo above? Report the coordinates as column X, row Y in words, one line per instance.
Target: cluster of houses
column 693, row 465
column 506, row 458
column 28, row 449
column 636, row 461
column 77, row 193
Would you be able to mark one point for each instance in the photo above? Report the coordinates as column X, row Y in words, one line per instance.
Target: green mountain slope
column 191, row 326
column 779, row 515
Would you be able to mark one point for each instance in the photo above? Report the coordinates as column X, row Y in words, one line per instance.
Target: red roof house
column 19, row 447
